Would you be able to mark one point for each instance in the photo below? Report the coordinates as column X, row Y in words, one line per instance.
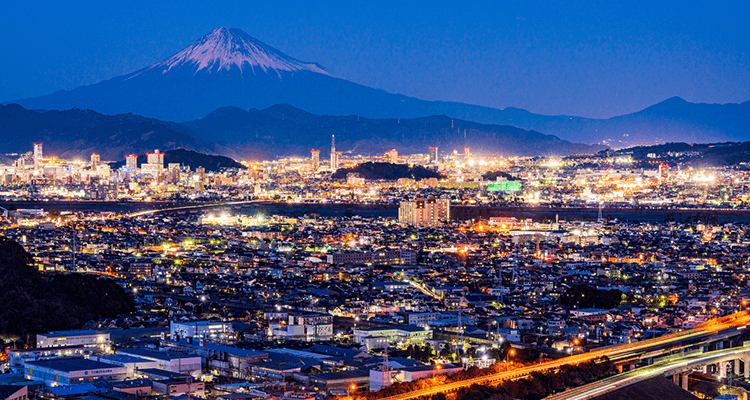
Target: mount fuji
column 227, row 67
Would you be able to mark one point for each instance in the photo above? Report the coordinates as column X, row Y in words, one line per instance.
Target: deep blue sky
column 595, row 59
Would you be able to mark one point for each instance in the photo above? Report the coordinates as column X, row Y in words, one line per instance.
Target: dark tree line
column 582, row 296
column 34, row 303
column 387, row 171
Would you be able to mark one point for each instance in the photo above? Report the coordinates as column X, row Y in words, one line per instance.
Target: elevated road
column 735, row 321
column 669, row 367
column 195, row 206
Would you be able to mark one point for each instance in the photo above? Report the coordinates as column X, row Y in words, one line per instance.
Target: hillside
column 709, row 154
column 36, row 303
column 78, row 133
column 387, row 171
column 192, row 159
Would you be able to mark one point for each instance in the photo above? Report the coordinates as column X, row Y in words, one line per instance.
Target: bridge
column 653, row 352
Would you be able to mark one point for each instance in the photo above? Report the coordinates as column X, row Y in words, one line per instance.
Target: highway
column 663, row 368
column 194, row 206
column 737, row 320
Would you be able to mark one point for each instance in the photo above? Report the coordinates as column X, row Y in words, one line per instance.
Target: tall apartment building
column 434, row 155
column 155, row 158
column 38, row 155
column 131, row 162
column 334, row 155
column 424, row 211
column 391, row 156
column 315, row 156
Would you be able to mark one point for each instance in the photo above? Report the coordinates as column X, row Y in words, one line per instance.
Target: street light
column 511, row 353
column 351, row 389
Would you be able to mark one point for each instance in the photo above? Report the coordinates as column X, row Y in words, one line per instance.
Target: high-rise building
column 334, row 155
column 95, row 160
column 131, row 162
column 391, row 156
column 201, row 174
column 467, row 153
column 174, row 172
column 315, row 156
column 424, row 211
column 155, row 158
column 433, row 155
column 38, row 155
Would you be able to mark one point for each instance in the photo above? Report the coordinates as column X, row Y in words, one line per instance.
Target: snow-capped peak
column 227, row 47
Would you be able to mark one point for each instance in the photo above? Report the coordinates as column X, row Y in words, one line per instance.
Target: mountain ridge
column 281, row 130
column 200, row 78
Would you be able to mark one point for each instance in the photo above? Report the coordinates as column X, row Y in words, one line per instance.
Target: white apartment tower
column 334, row 155
column 38, row 155
column 424, row 211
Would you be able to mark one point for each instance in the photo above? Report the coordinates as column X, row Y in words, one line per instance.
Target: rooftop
column 72, row 364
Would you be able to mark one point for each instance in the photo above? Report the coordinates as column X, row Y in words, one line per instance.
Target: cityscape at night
column 190, row 211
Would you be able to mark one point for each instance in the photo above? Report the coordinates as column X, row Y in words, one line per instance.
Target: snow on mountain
column 224, row 48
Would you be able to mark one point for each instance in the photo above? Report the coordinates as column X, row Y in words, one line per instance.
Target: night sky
column 593, row 59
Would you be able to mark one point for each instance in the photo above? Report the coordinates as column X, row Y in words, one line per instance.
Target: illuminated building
column 155, row 158
column 391, row 156
column 315, row 156
column 95, row 160
column 434, row 155
column 424, row 211
column 38, row 155
column 72, row 338
column 334, row 155
column 131, row 162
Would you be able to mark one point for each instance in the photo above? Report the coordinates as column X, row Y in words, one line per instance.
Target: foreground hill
column 192, row 159
column 35, row 303
column 387, row 171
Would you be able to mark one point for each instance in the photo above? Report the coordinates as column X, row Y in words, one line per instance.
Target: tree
column 583, row 296
column 34, row 303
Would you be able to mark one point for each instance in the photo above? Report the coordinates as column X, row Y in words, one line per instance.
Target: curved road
column 669, row 367
column 736, row 320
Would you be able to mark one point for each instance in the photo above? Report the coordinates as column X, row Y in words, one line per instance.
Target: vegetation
column 192, row 159
column 387, row 171
column 493, row 175
column 582, row 296
column 539, row 385
column 34, row 303
column 695, row 154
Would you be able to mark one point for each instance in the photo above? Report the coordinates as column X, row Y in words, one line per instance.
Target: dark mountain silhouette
column 280, row 130
column 284, row 130
column 228, row 67
column 78, row 133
